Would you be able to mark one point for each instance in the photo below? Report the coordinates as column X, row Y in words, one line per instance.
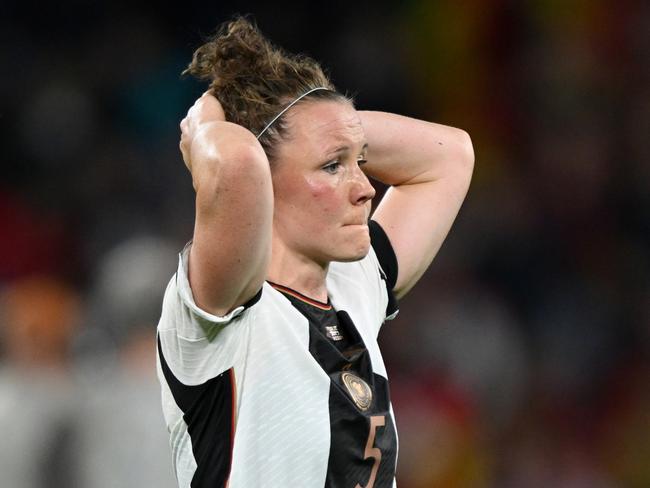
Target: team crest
column 358, row 390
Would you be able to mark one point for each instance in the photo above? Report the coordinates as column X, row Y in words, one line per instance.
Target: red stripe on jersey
column 300, row 296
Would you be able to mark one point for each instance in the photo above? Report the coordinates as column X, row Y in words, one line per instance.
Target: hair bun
column 252, row 78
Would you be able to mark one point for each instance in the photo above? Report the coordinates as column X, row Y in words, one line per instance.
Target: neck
column 298, row 272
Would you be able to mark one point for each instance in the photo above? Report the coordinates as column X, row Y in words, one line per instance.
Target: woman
column 268, row 355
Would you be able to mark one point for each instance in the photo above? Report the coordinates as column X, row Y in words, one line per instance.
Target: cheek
column 322, row 195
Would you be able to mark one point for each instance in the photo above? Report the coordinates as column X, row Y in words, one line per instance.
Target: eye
column 332, row 167
column 361, row 160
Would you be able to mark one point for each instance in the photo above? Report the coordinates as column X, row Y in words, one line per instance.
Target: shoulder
column 181, row 312
column 368, row 282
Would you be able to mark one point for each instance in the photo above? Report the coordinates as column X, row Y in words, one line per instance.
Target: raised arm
column 429, row 167
column 234, row 208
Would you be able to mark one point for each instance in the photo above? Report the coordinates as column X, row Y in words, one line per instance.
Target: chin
column 349, row 246
column 354, row 254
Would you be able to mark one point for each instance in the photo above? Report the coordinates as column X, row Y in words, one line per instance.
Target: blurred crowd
column 521, row 360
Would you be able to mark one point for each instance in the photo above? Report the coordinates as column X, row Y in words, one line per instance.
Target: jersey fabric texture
column 284, row 390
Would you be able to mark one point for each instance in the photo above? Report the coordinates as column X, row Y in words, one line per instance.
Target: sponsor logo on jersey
column 358, row 389
column 332, row 331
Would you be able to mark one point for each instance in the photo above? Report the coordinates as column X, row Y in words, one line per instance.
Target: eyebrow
column 345, row 147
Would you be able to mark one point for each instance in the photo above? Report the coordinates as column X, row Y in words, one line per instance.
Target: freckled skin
column 314, row 209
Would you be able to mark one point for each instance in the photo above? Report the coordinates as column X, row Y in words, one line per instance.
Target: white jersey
column 283, row 391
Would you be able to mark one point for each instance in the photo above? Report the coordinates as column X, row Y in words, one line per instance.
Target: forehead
column 325, row 125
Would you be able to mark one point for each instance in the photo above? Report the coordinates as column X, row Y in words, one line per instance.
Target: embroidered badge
column 358, row 389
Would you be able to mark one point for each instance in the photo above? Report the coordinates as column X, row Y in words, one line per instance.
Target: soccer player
column 268, row 359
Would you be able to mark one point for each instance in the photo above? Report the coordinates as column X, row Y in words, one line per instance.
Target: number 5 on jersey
column 371, row 451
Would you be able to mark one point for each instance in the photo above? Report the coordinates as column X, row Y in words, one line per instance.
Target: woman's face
column 322, row 197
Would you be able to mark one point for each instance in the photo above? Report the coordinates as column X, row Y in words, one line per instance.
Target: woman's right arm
column 231, row 247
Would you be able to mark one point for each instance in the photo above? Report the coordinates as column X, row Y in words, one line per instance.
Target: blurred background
column 522, row 359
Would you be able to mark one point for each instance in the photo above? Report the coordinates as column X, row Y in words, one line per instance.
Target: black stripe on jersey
column 349, row 426
column 388, row 262
column 350, row 431
column 385, row 252
column 208, row 410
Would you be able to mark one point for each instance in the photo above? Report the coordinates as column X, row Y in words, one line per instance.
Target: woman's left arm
column 428, row 167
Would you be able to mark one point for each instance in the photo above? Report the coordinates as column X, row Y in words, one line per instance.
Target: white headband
column 288, row 107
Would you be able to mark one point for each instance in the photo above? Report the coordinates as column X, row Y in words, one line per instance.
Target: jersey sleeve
column 191, row 321
column 195, row 344
column 387, row 265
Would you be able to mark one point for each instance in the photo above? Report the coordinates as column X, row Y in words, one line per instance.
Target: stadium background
column 521, row 359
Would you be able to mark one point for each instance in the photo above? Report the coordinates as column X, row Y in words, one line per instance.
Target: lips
column 361, row 220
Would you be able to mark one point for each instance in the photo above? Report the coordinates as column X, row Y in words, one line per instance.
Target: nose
column 362, row 190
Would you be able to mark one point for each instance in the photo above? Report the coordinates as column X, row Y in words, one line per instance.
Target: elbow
column 228, row 156
column 465, row 150
column 247, row 155
column 457, row 159
column 239, row 148
column 463, row 158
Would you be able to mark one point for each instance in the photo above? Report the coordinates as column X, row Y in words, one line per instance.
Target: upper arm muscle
column 416, row 219
column 232, row 233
